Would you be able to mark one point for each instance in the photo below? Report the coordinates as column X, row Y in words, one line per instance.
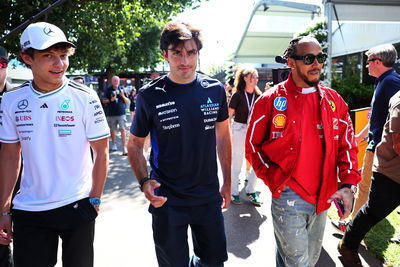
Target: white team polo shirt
column 54, row 130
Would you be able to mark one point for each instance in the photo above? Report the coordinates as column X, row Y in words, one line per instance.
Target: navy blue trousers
column 170, row 228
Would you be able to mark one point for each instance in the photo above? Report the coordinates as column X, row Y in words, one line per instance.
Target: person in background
column 300, row 140
column 116, row 100
column 380, row 62
column 5, row 250
column 240, row 106
column 154, row 75
column 79, row 79
column 132, row 99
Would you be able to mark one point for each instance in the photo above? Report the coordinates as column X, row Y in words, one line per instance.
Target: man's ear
column 291, row 63
column 165, row 55
column 26, row 58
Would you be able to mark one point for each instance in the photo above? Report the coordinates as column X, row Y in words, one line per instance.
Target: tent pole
column 328, row 14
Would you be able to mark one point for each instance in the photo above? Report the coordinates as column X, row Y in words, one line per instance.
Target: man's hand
column 226, row 196
column 113, row 97
column 5, row 230
column 148, row 190
column 347, row 197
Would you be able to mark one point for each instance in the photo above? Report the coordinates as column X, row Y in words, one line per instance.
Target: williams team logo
column 280, row 103
column 279, row 120
column 65, row 104
column 23, row 104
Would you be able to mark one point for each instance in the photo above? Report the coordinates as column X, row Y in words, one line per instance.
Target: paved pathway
column 124, row 235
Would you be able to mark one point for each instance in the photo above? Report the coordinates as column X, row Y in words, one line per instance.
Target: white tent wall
column 271, row 26
column 364, row 24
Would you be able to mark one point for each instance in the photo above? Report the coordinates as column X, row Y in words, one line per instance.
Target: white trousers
column 238, row 140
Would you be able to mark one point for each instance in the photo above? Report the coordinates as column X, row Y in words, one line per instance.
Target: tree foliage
column 319, row 31
column 118, row 35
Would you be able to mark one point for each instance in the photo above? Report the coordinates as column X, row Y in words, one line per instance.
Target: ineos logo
column 48, row 31
column 23, row 104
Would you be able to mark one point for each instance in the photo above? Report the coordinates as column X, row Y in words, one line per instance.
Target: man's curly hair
column 291, row 50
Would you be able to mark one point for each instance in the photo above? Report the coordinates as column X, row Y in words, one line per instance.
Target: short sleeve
column 223, row 113
column 8, row 129
column 96, row 126
column 141, row 121
column 234, row 100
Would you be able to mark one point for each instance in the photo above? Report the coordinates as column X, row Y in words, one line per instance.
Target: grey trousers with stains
column 298, row 230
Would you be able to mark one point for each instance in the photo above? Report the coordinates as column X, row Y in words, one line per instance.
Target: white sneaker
column 114, row 147
column 125, row 152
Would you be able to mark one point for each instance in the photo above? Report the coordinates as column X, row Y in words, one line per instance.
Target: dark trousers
column 5, row 256
column 170, row 227
column 384, row 197
column 36, row 235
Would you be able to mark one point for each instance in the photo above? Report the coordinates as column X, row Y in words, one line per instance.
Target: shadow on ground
column 121, row 181
column 244, row 222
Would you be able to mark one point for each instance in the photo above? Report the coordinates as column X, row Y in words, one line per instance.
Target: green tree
column 319, row 31
column 112, row 36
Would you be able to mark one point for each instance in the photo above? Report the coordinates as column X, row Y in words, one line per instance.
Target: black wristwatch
column 353, row 188
column 142, row 181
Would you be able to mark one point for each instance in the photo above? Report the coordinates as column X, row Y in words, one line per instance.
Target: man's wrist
column 352, row 188
column 7, row 213
column 142, row 181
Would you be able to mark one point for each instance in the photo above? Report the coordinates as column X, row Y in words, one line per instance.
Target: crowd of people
column 297, row 137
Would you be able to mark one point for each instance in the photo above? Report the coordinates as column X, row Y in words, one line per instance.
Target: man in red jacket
column 300, row 139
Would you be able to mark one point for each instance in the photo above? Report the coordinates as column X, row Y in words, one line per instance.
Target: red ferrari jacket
column 274, row 135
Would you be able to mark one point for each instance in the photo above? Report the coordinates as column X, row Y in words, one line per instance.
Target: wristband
column 142, row 181
column 5, row 213
column 353, row 188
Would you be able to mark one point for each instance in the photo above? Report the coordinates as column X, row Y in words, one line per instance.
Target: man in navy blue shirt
column 116, row 100
column 380, row 62
column 187, row 117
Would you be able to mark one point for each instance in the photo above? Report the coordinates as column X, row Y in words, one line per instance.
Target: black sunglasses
column 373, row 59
column 309, row 59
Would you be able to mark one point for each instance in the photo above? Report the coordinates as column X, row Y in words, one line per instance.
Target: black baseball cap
column 3, row 53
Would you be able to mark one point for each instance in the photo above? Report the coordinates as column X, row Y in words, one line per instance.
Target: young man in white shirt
column 53, row 121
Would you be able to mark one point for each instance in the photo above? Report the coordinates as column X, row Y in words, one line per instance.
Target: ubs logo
column 23, row 104
column 48, row 31
column 23, row 118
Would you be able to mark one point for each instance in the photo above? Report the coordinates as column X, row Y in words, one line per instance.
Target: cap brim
column 51, row 43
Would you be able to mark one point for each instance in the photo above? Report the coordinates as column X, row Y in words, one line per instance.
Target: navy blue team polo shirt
column 181, row 120
column 387, row 85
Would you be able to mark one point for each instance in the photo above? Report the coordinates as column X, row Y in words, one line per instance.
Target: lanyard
column 249, row 105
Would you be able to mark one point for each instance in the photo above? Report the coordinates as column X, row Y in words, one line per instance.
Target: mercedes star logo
column 23, row 104
column 48, row 31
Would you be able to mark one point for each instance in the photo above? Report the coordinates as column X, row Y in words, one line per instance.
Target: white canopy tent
column 270, row 27
column 362, row 24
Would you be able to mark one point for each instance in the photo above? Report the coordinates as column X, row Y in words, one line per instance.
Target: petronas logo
column 65, row 104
